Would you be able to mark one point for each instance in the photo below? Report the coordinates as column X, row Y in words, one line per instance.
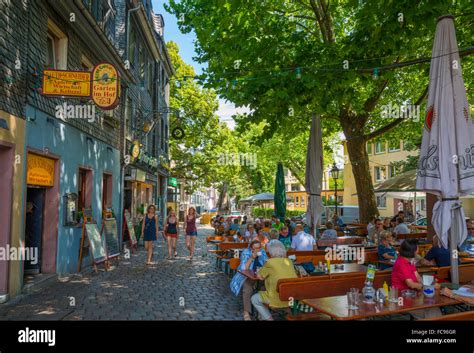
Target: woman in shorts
column 191, row 231
column 171, row 232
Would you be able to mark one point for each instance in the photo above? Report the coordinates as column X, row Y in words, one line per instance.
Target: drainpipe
column 124, row 149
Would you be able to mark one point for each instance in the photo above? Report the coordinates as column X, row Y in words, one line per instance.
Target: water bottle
column 368, row 292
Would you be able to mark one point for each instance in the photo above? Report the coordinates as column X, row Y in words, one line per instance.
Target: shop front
column 41, row 213
column 12, row 173
column 145, row 184
column 86, row 176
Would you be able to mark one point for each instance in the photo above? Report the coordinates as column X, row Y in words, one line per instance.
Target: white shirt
column 248, row 235
column 370, row 226
column 402, row 228
column 303, row 241
column 329, row 234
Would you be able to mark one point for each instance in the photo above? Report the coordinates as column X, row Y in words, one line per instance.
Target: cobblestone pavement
column 169, row 290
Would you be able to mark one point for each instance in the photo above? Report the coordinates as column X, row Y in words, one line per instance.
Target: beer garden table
column 336, row 307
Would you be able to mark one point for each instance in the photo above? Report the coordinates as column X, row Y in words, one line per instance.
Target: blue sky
column 186, row 50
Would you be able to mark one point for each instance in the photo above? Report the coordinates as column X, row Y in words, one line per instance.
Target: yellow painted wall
column 380, row 160
column 16, row 135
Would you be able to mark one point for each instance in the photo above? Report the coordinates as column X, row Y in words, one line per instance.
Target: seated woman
column 262, row 238
column 437, row 255
column 276, row 268
column 285, row 237
column 385, row 250
column 386, row 224
column 272, row 237
column 250, row 233
column 405, row 276
column 251, row 258
column 267, row 226
column 330, row 232
column 234, row 227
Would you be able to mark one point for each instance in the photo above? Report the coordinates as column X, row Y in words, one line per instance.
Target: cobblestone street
column 169, row 290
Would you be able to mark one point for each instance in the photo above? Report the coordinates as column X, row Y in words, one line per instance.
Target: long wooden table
column 340, row 241
column 337, row 308
column 348, row 268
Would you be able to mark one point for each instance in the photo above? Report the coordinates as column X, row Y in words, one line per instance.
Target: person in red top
column 405, row 276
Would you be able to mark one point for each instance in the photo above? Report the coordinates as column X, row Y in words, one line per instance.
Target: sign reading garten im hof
column 102, row 84
column 105, row 86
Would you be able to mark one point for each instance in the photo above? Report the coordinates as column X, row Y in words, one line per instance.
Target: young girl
column 171, row 231
column 191, row 231
column 150, row 231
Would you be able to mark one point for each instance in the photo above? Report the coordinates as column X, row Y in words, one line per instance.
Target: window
column 295, row 187
column 379, row 173
column 132, row 45
column 166, row 139
column 150, row 76
column 394, row 146
column 302, row 201
column 84, row 189
column 163, row 138
column 86, row 64
column 56, row 48
column 128, row 119
column 141, row 63
column 382, row 201
column 392, row 171
column 297, row 200
column 106, row 191
column 380, row 147
column 369, row 148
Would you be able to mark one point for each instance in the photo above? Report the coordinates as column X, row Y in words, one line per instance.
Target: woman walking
column 191, row 231
column 150, row 231
column 171, row 231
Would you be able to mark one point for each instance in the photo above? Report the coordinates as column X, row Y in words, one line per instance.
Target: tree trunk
column 223, row 202
column 360, row 168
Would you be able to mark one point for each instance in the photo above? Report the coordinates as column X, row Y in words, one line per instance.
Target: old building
column 65, row 154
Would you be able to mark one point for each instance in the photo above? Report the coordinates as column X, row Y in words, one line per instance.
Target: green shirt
column 272, row 271
column 277, row 226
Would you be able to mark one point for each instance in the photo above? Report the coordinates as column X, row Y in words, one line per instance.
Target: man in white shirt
column 303, row 241
column 401, row 227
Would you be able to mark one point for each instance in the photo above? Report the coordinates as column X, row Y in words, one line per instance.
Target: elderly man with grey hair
column 276, row 268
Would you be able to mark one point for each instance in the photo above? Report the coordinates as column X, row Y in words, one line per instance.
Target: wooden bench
column 464, row 316
column 466, row 273
column 222, row 255
column 297, row 289
column 412, row 235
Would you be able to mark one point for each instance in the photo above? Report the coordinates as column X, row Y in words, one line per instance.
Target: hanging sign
column 140, row 155
column 66, row 83
column 39, row 170
column 105, row 86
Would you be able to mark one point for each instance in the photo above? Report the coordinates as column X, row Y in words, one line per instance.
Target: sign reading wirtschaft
column 66, row 83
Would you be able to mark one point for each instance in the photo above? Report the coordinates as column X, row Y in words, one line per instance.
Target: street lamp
column 335, row 176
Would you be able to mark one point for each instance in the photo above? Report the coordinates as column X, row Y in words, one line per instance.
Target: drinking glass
column 352, row 301
column 393, row 295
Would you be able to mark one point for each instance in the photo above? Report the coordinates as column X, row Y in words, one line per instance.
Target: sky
column 186, row 50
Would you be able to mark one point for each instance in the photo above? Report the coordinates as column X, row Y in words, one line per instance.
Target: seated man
column 330, row 232
column 437, row 255
column 401, row 227
column 302, row 241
